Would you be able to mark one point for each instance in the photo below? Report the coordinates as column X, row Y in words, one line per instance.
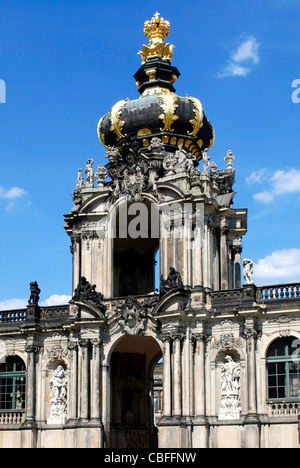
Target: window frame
column 285, row 359
column 13, row 375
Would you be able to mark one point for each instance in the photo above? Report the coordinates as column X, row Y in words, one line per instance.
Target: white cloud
column 242, row 58
column 12, row 195
column 56, row 300
column 14, row 304
column 257, row 177
column 277, row 184
column 247, row 51
column 234, row 69
column 282, row 266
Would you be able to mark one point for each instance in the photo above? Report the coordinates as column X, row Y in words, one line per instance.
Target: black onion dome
column 159, row 112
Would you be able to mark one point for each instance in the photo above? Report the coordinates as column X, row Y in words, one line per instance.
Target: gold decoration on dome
column 198, row 121
column 169, row 106
column 157, row 30
column 117, row 124
column 100, row 134
column 213, row 136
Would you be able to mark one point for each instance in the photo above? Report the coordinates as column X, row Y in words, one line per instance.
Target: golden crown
column 157, row 29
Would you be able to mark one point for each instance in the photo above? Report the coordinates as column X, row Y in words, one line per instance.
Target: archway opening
column 132, row 392
column 135, row 246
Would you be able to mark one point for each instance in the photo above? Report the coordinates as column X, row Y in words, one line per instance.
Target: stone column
column 73, row 390
column 30, row 384
column 167, row 376
column 96, row 380
column 84, row 390
column 250, row 336
column 224, row 257
column 76, row 252
column 237, row 251
column 177, row 408
column 199, row 341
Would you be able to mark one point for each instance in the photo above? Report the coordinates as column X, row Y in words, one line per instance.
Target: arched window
column 283, row 370
column 12, row 384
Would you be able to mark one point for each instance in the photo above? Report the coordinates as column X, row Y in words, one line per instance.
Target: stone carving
column 206, row 161
column 80, row 180
column 173, row 282
column 34, row 294
column 101, row 175
column 156, row 146
column 229, row 159
column 89, row 183
column 58, row 385
column 169, row 164
column 132, row 172
column 248, row 271
column 230, row 390
column 134, row 315
column 87, row 293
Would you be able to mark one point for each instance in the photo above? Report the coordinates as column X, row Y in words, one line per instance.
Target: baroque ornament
column 169, row 106
column 157, row 29
column 197, row 122
column 134, row 316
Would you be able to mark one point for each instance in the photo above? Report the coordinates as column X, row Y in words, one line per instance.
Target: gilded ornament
column 100, row 134
column 169, row 106
column 197, row 122
column 156, row 30
column 117, row 124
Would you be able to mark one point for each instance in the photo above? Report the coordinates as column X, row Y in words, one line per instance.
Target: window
column 12, row 385
column 283, row 370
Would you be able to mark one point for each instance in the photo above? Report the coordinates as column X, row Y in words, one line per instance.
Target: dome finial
column 157, row 29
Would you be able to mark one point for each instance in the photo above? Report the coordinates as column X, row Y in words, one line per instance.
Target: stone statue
column 58, row 385
column 173, row 282
column 248, row 271
column 156, row 145
column 80, row 180
column 89, row 174
column 169, row 164
column 230, row 388
column 87, row 292
column 206, row 161
column 35, row 294
column 230, row 376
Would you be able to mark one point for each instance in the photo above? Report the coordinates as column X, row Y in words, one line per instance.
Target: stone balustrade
column 278, row 292
column 13, row 316
column 283, row 409
column 11, row 418
column 215, row 299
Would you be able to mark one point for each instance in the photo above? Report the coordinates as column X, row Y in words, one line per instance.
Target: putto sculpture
column 34, row 293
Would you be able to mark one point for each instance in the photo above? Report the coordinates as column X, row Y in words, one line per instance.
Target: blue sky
column 65, row 63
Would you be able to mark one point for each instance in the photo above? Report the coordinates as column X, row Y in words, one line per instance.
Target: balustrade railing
column 11, row 418
column 12, row 316
column 278, row 292
column 283, row 409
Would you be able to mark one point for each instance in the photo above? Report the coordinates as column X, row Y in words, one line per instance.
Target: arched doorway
column 132, row 401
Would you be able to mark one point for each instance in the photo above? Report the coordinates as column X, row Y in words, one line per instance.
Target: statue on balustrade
column 34, row 293
column 173, row 282
column 87, row 292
